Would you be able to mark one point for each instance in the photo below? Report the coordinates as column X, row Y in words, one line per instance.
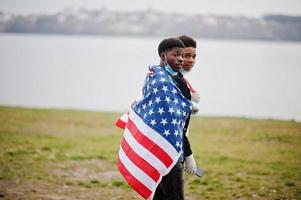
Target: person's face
column 175, row 58
column 189, row 58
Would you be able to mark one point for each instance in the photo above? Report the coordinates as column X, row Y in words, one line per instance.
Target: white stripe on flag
column 136, row 172
column 144, row 153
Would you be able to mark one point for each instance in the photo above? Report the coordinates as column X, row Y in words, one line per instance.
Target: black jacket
column 180, row 82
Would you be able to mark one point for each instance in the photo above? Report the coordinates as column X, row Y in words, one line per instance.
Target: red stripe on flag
column 132, row 181
column 148, row 144
column 140, row 162
column 120, row 124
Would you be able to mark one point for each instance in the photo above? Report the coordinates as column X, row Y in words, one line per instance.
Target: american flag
column 152, row 140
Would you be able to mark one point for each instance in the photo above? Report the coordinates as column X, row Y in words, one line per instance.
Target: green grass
column 49, row 149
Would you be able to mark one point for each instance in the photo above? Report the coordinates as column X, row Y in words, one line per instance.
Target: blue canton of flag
column 163, row 107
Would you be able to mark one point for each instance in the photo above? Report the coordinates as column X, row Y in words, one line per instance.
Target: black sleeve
column 186, row 92
column 186, row 143
column 187, row 149
column 180, row 82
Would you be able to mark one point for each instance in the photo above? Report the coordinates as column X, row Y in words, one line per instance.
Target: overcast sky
column 254, row 8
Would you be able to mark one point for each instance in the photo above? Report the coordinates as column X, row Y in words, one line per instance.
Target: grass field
column 65, row 154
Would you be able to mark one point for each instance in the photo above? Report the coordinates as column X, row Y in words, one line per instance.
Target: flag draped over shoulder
column 152, row 140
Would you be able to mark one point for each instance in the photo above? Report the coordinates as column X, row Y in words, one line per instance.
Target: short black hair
column 168, row 44
column 188, row 41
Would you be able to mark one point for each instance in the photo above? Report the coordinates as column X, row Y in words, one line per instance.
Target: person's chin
column 188, row 68
column 177, row 68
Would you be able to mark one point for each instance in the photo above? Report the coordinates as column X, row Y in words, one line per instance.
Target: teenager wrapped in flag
column 153, row 136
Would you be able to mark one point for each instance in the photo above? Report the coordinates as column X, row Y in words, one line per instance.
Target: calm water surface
column 234, row 78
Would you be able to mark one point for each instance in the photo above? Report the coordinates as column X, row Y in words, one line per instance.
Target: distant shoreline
column 150, row 37
column 82, row 110
column 154, row 24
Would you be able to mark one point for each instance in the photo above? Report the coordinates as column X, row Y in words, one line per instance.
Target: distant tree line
column 154, row 23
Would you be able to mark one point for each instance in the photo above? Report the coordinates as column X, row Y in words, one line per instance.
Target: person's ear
column 162, row 56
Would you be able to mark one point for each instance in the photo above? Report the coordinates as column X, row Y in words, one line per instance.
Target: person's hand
column 195, row 109
column 190, row 165
column 195, row 97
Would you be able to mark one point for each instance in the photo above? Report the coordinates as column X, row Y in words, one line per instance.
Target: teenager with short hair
column 172, row 186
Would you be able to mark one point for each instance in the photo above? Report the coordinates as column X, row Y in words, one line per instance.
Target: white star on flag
column 163, row 80
column 167, row 99
column 176, row 133
column 183, row 104
column 161, row 111
column 153, row 122
column 166, row 133
column 171, row 110
column 164, row 88
column 164, row 121
column 151, row 112
column 174, row 122
column 161, row 73
column 157, row 100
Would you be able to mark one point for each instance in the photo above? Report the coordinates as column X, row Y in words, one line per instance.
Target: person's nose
column 180, row 59
column 191, row 60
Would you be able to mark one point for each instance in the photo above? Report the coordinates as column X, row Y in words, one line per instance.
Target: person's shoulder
column 154, row 68
column 157, row 71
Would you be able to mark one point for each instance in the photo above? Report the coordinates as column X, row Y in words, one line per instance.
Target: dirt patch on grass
column 86, row 170
column 84, row 179
column 31, row 190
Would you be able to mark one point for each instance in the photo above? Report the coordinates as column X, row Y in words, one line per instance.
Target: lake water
column 234, row 78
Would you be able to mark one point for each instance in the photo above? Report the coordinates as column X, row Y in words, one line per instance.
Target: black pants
column 171, row 186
